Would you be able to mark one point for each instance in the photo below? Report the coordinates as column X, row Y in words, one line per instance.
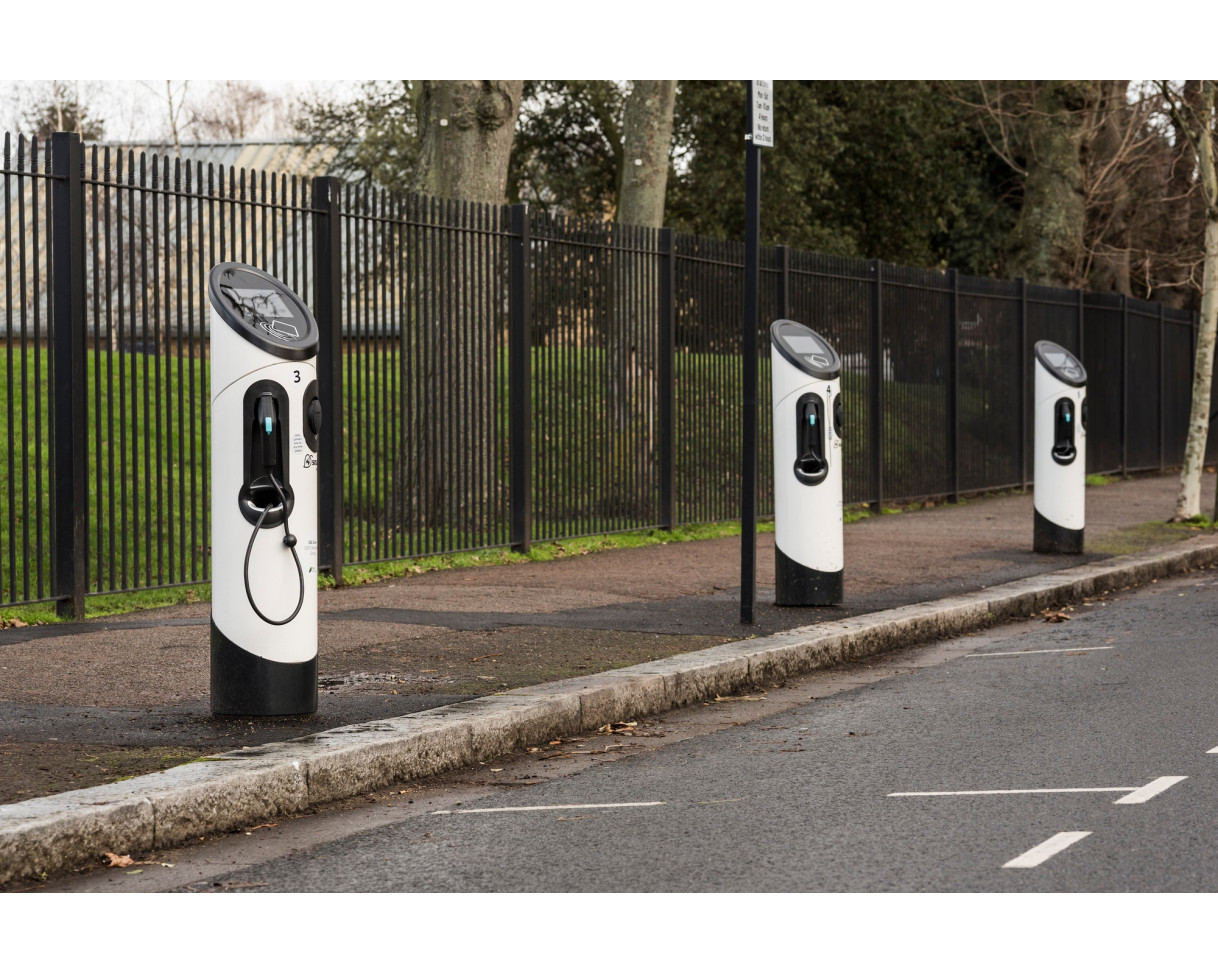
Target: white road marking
column 540, row 808
column 1147, row 792
column 1029, row 652
column 1005, row 791
column 1136, row 796
column 1212, row 750
column 1046, row 850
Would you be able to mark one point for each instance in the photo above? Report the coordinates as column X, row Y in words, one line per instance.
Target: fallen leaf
column 719, row 699
column 1051, row 616
column 119, row 861
column 619, row 727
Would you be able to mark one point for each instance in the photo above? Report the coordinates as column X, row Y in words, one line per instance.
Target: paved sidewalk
column 84, row 704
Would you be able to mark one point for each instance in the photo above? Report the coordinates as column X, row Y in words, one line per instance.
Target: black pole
column 68, row 374
column 520, row 383
column 1023, row 382
column 748, row 439
column 954, row 392
column 1125, row 385
column 666, row 372
column 875, row 388
column 327, row 309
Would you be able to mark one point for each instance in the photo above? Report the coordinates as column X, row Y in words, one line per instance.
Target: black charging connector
column 265, row 474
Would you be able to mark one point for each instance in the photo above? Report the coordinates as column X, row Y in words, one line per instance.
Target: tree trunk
column 1188, row 503
column 467, row 130
column 1201, row 136
column 467, row 138
column 647, row 136
column 634, row 320
column 1050, row 232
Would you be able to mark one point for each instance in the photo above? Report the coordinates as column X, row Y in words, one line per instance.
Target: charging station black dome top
column 263, row 311
column 805, row 349
column 1061, row 364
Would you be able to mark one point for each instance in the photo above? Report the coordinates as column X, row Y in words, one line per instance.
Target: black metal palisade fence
column 490, row 375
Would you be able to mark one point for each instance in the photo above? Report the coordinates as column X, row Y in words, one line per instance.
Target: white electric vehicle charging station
column 1059, row 467
column 265, row 419
column 808, row 417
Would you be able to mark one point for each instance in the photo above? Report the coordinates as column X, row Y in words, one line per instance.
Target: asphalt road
column 1094, row 734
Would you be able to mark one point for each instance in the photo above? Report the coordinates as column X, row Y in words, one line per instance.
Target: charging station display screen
column 1065, row 363
column 804, row 344
column 805, row 349
column 263, row 310
column 258, row 302
column 1061, row 363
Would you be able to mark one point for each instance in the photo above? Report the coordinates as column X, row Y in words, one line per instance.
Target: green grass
column 139, row 526
column 103, row 605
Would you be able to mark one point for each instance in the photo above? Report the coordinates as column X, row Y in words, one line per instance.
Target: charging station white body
column 809, row 552
column 1059, row 464
column 260, row 668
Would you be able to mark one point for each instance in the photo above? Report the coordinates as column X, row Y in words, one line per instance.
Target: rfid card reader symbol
column 280, row 330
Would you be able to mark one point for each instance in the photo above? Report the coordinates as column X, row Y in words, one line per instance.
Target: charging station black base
column 246, row 685
column 1052, row 539
column 796, row 584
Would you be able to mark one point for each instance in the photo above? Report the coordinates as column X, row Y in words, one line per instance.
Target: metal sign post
column 760, row 133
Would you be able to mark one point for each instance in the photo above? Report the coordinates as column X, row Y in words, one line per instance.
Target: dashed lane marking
column 1046, row 850
column 541, row 808
column 1147, row 792
column 1029, row 652
column 1136, row 796
column 1001, row 791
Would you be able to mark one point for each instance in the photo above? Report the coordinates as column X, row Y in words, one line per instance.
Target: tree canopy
column 1072, row 183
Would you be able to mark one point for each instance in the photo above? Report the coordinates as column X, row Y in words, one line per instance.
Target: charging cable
column 289, row 541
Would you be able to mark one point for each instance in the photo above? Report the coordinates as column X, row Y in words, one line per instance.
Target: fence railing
column 489, row 375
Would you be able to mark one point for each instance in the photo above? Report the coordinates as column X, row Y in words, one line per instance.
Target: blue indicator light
column 812, row 418
column 1067, row 417
column 268, row 425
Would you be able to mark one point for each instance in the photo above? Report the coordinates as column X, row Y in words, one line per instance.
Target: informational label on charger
column 763, row 113
column 298, row 443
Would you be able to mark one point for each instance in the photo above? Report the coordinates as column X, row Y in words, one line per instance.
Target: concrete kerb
column 236, row 789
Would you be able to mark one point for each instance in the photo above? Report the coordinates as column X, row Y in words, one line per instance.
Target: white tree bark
column 1188, row 503
column 1201, row 135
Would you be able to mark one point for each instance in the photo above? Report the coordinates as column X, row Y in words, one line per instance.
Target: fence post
column 520, row 382
column 1023, row 382
column 70, row 452
column 954, row 404
column 784, row 281
column 1080, row 325
column 328, row 283
column 666, row 374
column 1124, row 384
column 875, row 372
column 1162, row 387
